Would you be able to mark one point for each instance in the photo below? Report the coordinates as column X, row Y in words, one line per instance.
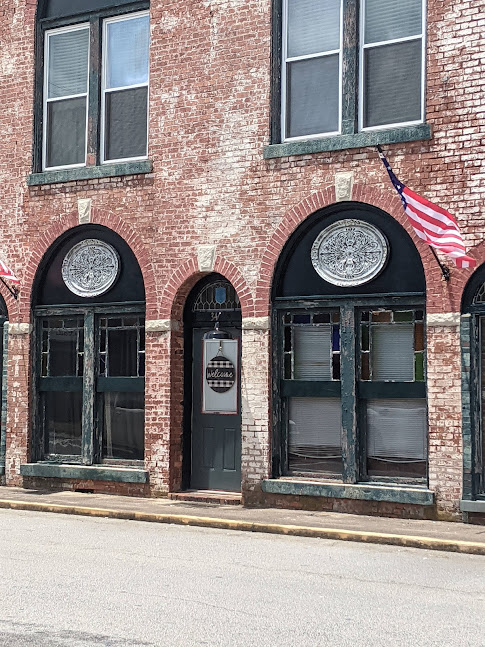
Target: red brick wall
column 209, row 122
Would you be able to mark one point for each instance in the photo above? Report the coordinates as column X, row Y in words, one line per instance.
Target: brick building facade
column 231, row 185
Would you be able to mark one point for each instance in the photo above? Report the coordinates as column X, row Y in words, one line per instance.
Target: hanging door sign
column 220, row 376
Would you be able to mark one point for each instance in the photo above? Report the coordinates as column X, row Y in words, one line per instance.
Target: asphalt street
column 82, row 582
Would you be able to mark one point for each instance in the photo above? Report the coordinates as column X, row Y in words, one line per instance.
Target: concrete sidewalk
column 433, row 535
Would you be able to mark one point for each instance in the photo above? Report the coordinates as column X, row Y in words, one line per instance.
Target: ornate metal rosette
column 90, row 268
column 349, row 252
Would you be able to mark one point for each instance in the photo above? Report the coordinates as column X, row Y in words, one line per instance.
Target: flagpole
column 444, row 270
column 13, row 291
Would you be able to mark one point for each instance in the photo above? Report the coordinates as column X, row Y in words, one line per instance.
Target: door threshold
column 219, row 497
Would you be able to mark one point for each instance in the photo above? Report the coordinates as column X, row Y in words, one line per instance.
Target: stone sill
column 90, row 173
column 343, row 142
column 472, row 506
column 85, row 472
column 364, row 492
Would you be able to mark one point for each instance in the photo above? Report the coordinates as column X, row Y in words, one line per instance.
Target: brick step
column 207, row 496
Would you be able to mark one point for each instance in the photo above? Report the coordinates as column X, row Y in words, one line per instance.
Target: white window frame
column 105, row 91
column 46, row 100
column 363, row 47
column 284, row 71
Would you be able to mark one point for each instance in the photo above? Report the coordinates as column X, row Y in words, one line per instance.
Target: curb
column 408, row 541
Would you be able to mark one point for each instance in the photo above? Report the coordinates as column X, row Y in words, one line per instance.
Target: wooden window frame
column 352, row 133
column 352, row 391
column 95, row 20
column 92, row 383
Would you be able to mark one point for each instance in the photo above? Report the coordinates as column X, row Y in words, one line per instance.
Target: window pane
column 126, row 124
column 66, row 132
column 313, row 26
column 392, row 78
column 396, row 437
column 313, row 96
column 392, row 352
column 314, row 429
column 122, row 352
column 68, row 63
column 123, row 425
column 127, row 52
column 313, row 353
column 62, row 422
column 391, row 19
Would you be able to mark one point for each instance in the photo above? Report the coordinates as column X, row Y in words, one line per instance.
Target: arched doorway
column 349, row 387
column 89, row 351
column 212, row 430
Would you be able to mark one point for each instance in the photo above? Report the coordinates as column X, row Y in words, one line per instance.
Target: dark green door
column 216, row 436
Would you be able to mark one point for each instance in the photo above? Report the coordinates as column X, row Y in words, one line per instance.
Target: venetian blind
column 392, row 352
column 312, row 353
column 396, row 429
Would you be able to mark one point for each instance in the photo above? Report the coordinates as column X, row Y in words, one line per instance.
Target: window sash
column 351, row 84
column 105, row 90
column 363, row 47
column 89, row 383
column 46, row 100
column 354, row 393
column 287, row 60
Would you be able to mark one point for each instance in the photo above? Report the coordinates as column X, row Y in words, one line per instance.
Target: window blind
column 396, row 429
column 313, row 353
column 392, row 352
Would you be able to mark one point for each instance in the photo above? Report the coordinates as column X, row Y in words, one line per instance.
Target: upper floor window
column 343, row 73
column 95, row 89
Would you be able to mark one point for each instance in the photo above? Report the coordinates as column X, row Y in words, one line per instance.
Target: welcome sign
column 220, row 365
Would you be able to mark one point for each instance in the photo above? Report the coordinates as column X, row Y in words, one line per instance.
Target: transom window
column 337, row 79
column 95, row 90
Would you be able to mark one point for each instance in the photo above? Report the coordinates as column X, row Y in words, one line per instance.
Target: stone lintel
column 256, row 323
column 161, row 325
column 19, row 328
column 443, row 319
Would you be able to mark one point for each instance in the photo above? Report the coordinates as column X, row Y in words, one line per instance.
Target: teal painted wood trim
column 343, row 142
column 329, row 301
column 100, row 308
column 384, row 390
column 85, row 472
column 350, row 445
column 472, row 506
column 349, row 68
column 303, row 388
column 120, row 384
column 466, row 404
column 363, row 492
column 3, row 416
column 90, row 173
column 64, row 384
column 2, row 470
column 88, row 430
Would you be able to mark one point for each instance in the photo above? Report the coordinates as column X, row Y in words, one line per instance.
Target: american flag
column 6, row 273
column 434, row 225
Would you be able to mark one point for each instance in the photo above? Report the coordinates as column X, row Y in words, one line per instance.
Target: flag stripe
column 433, row 224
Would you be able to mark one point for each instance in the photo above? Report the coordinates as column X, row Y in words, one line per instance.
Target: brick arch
column 11, row 304
column 439, row 294
column 98, row 217
column 478, row 253
column 188, row 274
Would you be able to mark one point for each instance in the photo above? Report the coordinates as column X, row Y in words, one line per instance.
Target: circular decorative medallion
column 220, row 374
column 349, row 252
column 90, row 268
